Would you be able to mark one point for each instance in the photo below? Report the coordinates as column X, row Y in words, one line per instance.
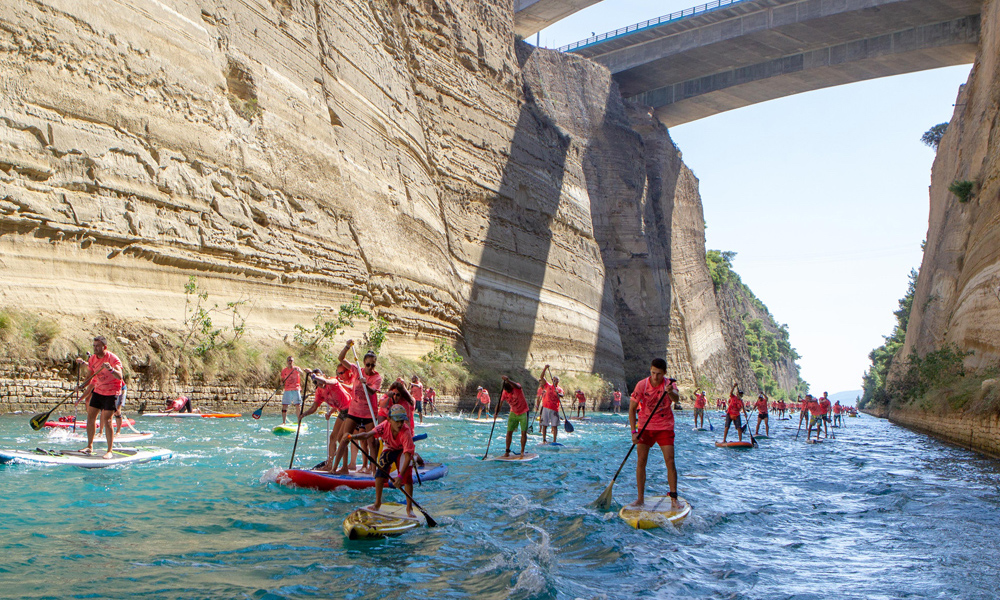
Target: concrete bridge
column 728, row 54
column 532, row 16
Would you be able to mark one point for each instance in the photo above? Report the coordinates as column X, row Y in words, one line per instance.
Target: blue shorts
column 291, row 397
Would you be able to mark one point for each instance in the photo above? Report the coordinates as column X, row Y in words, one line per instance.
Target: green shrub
column 962, row 189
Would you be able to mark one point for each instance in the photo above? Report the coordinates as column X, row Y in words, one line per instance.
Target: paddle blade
column 603, row 502
column 430, row 521
column 256, row 414
column 568, row 426
column 38, row 420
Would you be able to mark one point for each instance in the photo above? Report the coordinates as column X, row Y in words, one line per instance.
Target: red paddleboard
column 733, row 445
column 321, row 480
column 83, row 423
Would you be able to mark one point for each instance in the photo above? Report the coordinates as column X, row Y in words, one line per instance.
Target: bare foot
column 108, row 455
column 340, row 472
column 87, row 450
column 506, row 454
column 674, row 504
column 410, row 514
column 639, row 502
column 376, row 506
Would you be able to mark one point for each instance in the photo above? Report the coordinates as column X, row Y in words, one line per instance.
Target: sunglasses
column 369, row 364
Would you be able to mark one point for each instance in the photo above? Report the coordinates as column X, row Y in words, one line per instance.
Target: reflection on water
column 878, row 513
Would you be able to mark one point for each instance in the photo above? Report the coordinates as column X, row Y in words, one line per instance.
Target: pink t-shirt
column 551, row 398
column 617, row 397
column 518, row 404
column 580, row 398
column 359, row 404
column 699, row 401
column 294, row 381
column 484, row 396
column 385, row 404
column 334, row 394
column 647, row 396
column 417, row 392
column 105, row 383
column 400, row 441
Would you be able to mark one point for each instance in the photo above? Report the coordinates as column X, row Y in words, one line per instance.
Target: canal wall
column 980, row 433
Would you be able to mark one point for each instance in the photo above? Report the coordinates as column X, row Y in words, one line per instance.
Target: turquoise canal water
column 879, row 513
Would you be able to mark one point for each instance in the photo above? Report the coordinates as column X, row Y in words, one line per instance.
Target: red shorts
column 663, row 437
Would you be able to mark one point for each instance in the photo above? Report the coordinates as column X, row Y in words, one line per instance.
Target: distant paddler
column 417, row 393
column 652, row 421
column 616, row 402
column 291, row 376
column 812, row 407
column 733, row 412
column 824, row 403
column 483, row 396
column 398, row 448
column 179, row 404
column 106, row 375
column 581, row 403
column 838, row 414
column 429, row 396
column 513, row 395
column 762, row 409
column 335, row 393
column 550, row 404
column 699, row 408
column 367, row 382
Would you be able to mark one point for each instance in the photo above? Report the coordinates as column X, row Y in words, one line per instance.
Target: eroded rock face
column 957, row 298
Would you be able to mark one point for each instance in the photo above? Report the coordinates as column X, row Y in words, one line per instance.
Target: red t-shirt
column 735, row 406
column 484, row 396
column 516, row 400
column 699, row 401
column 400, row 441
column 551, row 398
column 334, row 394
column 417, row 392
column 617, row 396
column 814, row 408
column 105, row 383
column 294, row 381
column 825, row 405
column 761, row 406
column 647, row 396
column 359, row 405
column 429, row 395
column 580, row 398
column 836, row 409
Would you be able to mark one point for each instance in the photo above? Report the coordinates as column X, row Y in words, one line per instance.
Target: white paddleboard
column 515, row 457
column 75, row 458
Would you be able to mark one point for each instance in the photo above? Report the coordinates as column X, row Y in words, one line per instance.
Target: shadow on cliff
column 500, row 322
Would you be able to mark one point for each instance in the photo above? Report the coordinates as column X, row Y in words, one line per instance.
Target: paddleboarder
column 762, row 413
column 616, row 402
column 837, row 414
column 699, row 409
column 429, row 396
column 550, row 400
column 179, row 404
column 417, row 393
column 291, row 375
column 660, row 393
column 513, row 395
column 812, row 408
column 483, row 395
column 581, row 404
column 824, row 403
column 336, row 394
column 367, row 382
column 397, row 442
column 106, row 374
column 733, row 412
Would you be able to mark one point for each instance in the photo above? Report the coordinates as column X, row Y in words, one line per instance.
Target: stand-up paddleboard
column 425, row 424
column 762, row 437
column 81, row 423
column 323, row 481
column 515, row 457
column 655, row 512
column 120, row 438
column 289, row 429
column 187, row 414
column 733, row 445
column 390, row 519
column 814, row 441
column 75, row 458
column 699, row 429
column 470, row 420
column 551, row 445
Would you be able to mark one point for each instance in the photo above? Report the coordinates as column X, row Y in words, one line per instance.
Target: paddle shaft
column 495, row 415
column 40, row 418
column 641, row 431
column 747, row 417
column 801, row 412
column 76, row 391
column 430, row 521
column 256, row 414
column 566, row 424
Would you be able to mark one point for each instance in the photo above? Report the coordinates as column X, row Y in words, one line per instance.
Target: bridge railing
column 674, row 16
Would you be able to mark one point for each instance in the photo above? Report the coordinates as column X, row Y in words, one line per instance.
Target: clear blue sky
column 823, row 196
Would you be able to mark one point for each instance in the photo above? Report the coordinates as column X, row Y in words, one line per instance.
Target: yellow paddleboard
column 656, row 512
column 389, row 519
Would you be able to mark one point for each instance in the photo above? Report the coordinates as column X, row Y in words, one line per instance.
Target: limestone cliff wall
column 957, row 297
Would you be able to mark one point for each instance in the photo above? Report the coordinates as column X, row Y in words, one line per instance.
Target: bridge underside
column 914, row 49
column 532, row 16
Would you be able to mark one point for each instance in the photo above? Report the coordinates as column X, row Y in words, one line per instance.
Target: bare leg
column 767, row 427
column 92, row 416
column 379, row 482
column 409, row 503
column 641, row 455
column 284, row 413
column 726, row 432
column 668, row 458
column 510, row 435
column 109, row 431
column 524, row 440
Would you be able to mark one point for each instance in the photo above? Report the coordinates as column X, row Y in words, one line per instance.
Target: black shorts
column 737, row 420
column 102, row 402
column 826, row 418
column 419, row 406
column 385, row 461
column 361, row 421
column 762, row 416
column 342, row 414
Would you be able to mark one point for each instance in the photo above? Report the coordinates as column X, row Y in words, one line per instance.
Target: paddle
column 38, row 420
column 430, row 521
column 495, row 415
column 753, row 441
column 257, row 413
column 710, row 428
column 298, row 427
column 800, row 424
column 603, row 501
column 76, row 390
column 364, row 385
column 566, row 424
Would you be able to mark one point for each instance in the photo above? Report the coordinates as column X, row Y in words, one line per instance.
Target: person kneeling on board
column 397, row 440
column 733, row 412
column 179, row 405
column 659, row 393
column 513, row 395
